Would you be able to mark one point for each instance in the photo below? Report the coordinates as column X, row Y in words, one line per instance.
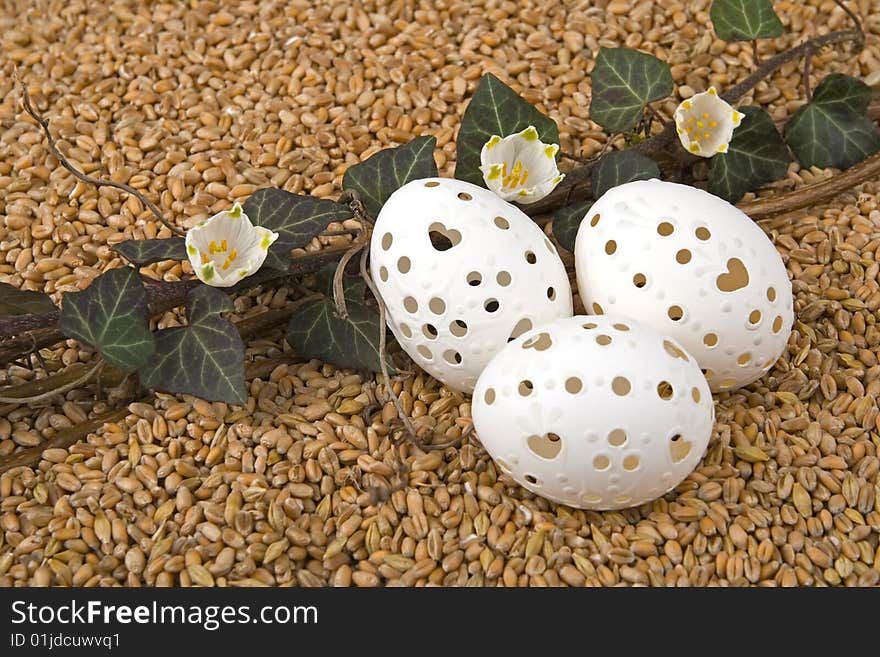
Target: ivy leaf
column 316, row 332
column 566, row 222
column 495, row 109
column 111, row 316
column 620, row 167
column 383, row 173
column 204, row 358
column 296, row 218
column 353, row 286
column 146, row 252
column 756, row 155
column 833, row 130
column 624, row 81
column 745, row 20
column 14, row 301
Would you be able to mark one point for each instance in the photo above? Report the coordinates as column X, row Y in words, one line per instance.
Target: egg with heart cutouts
column 692, row 266
column 462, row 272
column 595, row 412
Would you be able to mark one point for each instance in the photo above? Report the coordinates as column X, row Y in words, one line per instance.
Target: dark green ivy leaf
column 833, row 130
column 204, row 358
column 756, row 155
column 620, row 167
column 111, row 316
column 316, row 332
column 745, row 20
column 353, row 286
column 23, row 302
column 495, row 109
column 383, row 173
column 566, row 222
column 146, row 252
column 296, row 218
column 624, row 81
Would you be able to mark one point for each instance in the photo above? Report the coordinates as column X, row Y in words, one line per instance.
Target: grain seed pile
column 199, row 104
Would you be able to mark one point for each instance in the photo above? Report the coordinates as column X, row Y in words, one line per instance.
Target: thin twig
column 660, row 119
column 36, row 399
column 849, row 12
column 338, row 287
column 97, row 182
column 756, row 57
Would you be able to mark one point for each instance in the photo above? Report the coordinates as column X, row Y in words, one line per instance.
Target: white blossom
column 520, row 167
column 227, row 247
column 705, row 123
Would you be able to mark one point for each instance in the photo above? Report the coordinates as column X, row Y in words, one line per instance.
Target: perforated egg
column 594, row 412
column 692, row 266
column 462, row 272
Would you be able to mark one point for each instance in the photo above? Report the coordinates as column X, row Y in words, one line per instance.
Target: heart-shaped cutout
column 540, row 342
column 547, row 446
column 735, row 278
column 679, row 448
column 443, row 238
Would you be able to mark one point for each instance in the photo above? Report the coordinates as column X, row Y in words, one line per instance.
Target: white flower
column 705, row 123
column 520, row 167
column 227, row 247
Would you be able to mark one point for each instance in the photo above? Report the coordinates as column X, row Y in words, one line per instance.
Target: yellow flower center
column 517, row 177
column 230, row 258
column 213, row 248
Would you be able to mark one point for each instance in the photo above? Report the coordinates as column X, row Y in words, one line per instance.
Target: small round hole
column 727, row 383
column 404, row 265
column 432, row 183
column 406, row 330
column 521, row 327
column 551, row 293
column 474, row 278
column 683, row 257
column 621, row 386
column 617, row 437
column 464, row 196
column 744, row 359
column 531, row 258
column 489, row 396
column 597, row 309
column 590, row 325
column 621, row 327
column 675, row 313
column 437, row 306
column 603, row 340
column 525, row 387
column 503, row 278
column 601, row 462
column 502, row 223
column 531, row 479
column 754, row 317
column 702, row 233
column 665, row 228
column 674, row 351
column 425, row 352
column 458, row 328
column 777, row 324
column 710, row 339
column 631, row 463
column 664, row 390
column 430, row 331
column 771, row 294
column 573, row 385
column 595, row 220
column 695, row 395
column 491, row 305
column 387, row 239
column 639, row 280
column 411, row 305
column 383, row 273
column 452, row 357
column 610, row 247
column 676, row 438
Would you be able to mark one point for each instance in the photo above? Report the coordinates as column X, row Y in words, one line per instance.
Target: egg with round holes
column 694, row 267
column 596, row 412
column 461, row 273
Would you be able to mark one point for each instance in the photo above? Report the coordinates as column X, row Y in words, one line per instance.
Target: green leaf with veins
column 204, row 358
column 567, row 221
column 756, row 155
column 833, row 129
column 745, row 20
column 383, row 173
column 624, row 82
column 14, row 301
column 146, row 252
column 296, row 218
column 495, row 109
column 111, row 316
column 316, row 332
column 620, row 167
column 354, row 286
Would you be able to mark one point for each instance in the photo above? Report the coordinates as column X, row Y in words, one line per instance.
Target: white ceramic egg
column 694, row 267
column 462, row 272
column 594, row 412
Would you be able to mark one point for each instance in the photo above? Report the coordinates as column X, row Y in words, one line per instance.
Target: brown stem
column 338, row 287
column 756, row 56
column 61, row 389
column 97, row 182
